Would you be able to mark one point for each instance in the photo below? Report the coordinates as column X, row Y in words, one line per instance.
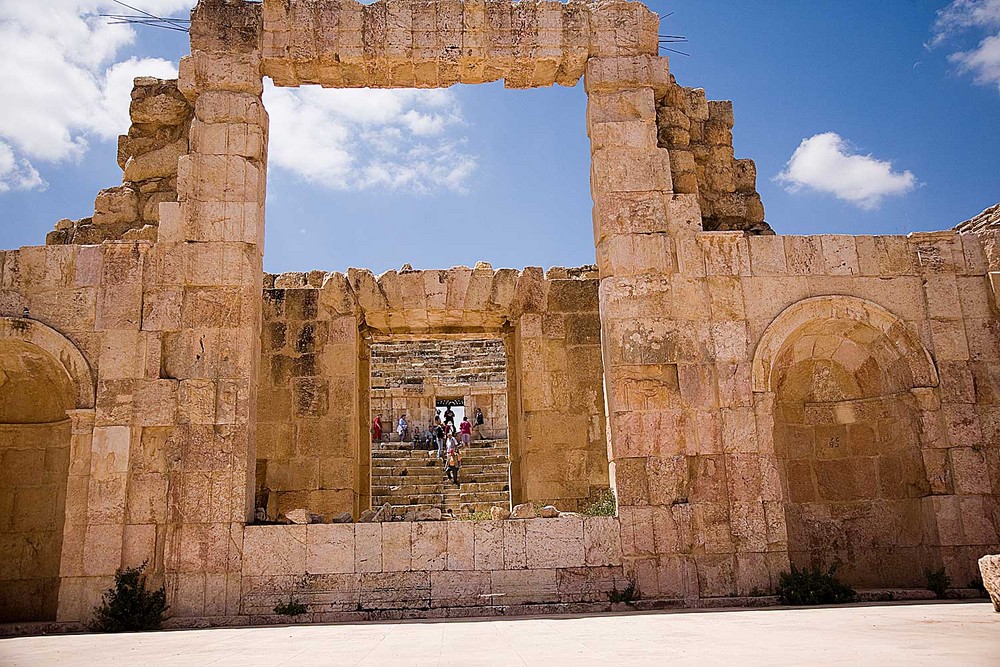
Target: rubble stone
column 989, row 569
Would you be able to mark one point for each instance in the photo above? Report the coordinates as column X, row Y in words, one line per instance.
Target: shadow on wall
column 35, row 394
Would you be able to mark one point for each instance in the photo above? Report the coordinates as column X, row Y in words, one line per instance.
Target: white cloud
column 66, row 83
column 978, row 20
column 826, row 163
column 17, row 174
column 363, row 139
column 60, row 83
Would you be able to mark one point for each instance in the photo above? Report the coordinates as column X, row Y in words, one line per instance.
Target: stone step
column 472, row 486
column 450, row 499
column 385, row 481
column 431, row 475
column 472, row 450
column 492, row 457
column 456, row 509
column 417, row 471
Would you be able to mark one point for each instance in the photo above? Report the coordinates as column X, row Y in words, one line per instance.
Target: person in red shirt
column 377, row 429
column 465, row 428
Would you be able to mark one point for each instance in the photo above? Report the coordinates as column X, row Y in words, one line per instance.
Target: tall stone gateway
column 751, row 400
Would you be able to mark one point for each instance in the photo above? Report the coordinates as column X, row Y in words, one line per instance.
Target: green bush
column 128, row 606
column 813, row 586
column 938, row 582
column 604, row 506
column 628, row 596
column 291, row 608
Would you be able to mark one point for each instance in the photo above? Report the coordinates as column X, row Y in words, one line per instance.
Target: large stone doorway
column 419, row 380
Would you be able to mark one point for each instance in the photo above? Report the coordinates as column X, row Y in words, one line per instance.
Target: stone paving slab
column 936, row 634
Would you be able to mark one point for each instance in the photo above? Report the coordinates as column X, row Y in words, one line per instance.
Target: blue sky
column 482, row 173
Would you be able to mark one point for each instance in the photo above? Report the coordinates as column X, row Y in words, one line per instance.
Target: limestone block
column 628, row 105
column 102, row 549
column 472, row 589
column 160, row 163
column 429, row 545
column 525, row 586
column 554, row 543
column 639, row 135
column 949, row 340
column 237, row 73
column 368, row 547
column 330, row 549
column 804, row 255
column 602, row 541
column 514, row 554
column 615, row 170
column 989, row 568
column 942, row 297
column 488, row 537
column 116, row 205
column 461, row 546
column 156, row 402
column 726, row 253
column 396, row 590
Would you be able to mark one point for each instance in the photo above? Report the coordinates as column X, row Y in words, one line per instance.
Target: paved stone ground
column 911, row 635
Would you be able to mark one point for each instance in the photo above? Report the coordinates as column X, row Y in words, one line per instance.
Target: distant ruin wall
column 315, row 403
column 409, row 376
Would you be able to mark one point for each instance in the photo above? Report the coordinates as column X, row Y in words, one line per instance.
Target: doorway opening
column 422, row 391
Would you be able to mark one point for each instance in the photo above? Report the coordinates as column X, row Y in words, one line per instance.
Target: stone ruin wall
column 148, row 155
column 712, row 348
column 314, row 397
column 698, row 134
column 409, row 376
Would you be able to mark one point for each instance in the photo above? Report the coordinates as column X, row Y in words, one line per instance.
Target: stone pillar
column 207, row 293
column 774, row 550
column 73, row 587
column 635, row 225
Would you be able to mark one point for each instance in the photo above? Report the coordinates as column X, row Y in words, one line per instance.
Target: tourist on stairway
column 465, row 428
column 402, row 428
column 377, row 429
column 479, row 421
column 453, row 461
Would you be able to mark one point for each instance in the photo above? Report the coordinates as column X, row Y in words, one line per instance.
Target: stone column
column 73, row 586
column 637, row 221
column 209, row 283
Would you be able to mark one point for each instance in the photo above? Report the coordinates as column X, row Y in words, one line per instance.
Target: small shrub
column 813, row 586
column 628, row 596
column 604, row 506
column 480, row 515
column 291, row 608
column 938, row 582
column 128, row 606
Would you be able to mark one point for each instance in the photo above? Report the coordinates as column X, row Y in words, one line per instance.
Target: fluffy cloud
column 66, row 84
column 826, row 163
column 359, row 139
column 978, row 21
column 61, row 85
column 17, row 174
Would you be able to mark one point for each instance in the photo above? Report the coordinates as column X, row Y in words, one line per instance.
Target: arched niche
column 841, row 371
column 42, row 377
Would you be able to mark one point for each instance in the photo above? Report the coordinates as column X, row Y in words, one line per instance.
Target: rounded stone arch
column 893, row 337
column 71, row 360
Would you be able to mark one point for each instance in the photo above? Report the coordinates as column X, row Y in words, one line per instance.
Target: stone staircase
column 409, row 478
